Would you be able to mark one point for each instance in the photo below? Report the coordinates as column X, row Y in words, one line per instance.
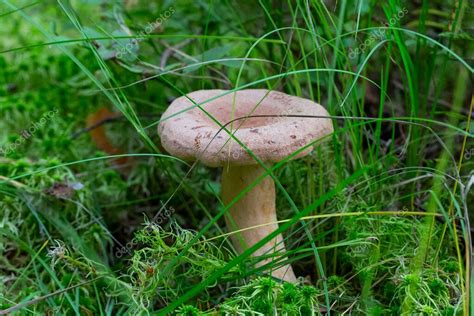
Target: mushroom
column 279, row 129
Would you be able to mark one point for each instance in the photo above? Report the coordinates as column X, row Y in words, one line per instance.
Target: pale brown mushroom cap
column 192, row 135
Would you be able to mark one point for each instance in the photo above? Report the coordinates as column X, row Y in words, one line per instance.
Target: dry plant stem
column 256, row 207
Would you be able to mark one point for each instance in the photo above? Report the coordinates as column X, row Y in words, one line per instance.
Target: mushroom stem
column 256, row 207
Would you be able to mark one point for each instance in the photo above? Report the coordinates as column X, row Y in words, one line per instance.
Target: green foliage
column 188, row 310
column 266, row 296
column 157, row 247
column 394, row 241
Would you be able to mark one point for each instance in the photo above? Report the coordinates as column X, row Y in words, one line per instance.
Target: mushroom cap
column 190, row 134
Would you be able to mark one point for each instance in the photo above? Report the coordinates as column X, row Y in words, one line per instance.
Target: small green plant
column 155, row 247
column 265, row 296
column 188, row 310
column 387, row 198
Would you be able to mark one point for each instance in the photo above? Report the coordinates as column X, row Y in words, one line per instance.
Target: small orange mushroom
column 98, row 134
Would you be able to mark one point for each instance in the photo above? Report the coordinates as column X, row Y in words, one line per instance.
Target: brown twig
column 170, row 51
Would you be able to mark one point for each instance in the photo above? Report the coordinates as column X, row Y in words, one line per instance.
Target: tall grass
column 376, row 219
